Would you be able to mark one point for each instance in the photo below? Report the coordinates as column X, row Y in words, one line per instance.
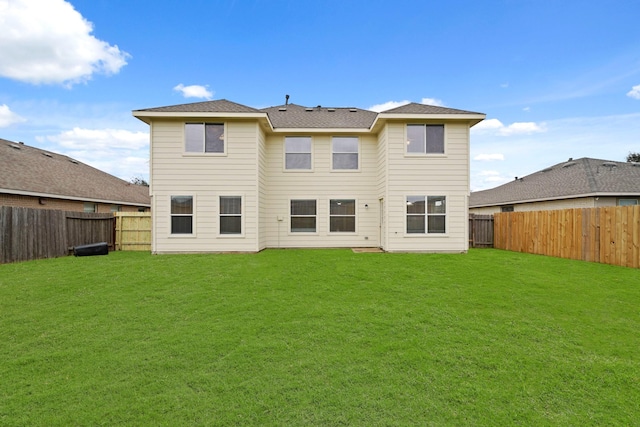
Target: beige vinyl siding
column 381, row 186
column 206, row 178
column 322, row 184
column 428, row 175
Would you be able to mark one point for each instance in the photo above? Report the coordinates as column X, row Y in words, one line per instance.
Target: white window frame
column 241, row 215
column 426, row 215
column 285, row 152
column 334, row 153
column 291, row 216
column 355, row 215
column 424, row 152
column 203, row 152
column 192, row 215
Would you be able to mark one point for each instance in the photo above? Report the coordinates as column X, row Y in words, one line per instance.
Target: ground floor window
column 342, row 216
column 90, row 207
column 181, row 215
column 230, row 215
column 426, row 214
column 627, row 202
column 303, row 216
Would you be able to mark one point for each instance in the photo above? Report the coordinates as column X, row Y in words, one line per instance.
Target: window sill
column 204, row 154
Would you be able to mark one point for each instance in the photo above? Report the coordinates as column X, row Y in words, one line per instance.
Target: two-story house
column 226, row 177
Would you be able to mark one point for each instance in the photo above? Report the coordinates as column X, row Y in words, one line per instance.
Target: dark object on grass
column 93, row 249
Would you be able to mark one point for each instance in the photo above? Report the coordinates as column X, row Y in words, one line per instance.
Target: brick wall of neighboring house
column 59, row 204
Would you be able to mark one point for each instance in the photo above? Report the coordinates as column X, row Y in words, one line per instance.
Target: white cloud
column 8, row 117
column 49, row 42
column 432, row 101
column 634, row 92
column 388, row 105
column 194, row 91
column 106, row 139
column 489, row 157
column 517, row 128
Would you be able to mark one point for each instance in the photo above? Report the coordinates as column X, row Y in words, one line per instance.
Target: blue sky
column 556, row 79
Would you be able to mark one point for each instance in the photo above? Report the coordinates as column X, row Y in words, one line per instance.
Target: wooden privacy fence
column 133, row 231
column 480, row 231
column 27, row 234
column 609, row 235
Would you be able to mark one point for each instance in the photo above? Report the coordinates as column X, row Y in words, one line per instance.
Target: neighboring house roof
column 31, row 171
column 297, row 116
column 575, row 178
column 292, row 116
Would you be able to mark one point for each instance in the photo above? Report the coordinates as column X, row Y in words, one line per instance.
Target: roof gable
column 574, row 178
column 32, row 170
column 216, row 106
column 415, row 108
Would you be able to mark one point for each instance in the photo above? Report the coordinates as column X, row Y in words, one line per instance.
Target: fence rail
column 609, row 235
column 27, row 234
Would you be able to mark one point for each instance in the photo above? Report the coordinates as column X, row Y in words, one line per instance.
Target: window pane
column 181, row 205
column 181, row 225
column 303, row 207
column 342, row 207
column 435, row 138
column 415, row 139
column 297, row 144
column 437, row 204
column 298, row 161
column 415, row 223
column 628, row 202
column 345, row 144
column 303, row 224
column 214, row 138
column 193, row 135
column 415, row 205
column 230, row 225
column 230, row 205
column 436, row 223
column 342, row 224
column 345, row 161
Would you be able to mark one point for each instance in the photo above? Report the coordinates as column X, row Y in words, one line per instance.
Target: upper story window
column 204, row 138
column 344, row 152
column 297, row 151
column 425, row 139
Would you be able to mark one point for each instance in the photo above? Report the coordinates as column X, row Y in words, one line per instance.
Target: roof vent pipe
column 286, row 100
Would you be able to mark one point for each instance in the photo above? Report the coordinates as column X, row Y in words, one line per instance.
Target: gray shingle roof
column 415, row 108
column 297, row 116
column 29, row 169
column 217, row 106
column 585, row 176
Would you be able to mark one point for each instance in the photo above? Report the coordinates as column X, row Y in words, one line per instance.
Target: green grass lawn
column 319, row 337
